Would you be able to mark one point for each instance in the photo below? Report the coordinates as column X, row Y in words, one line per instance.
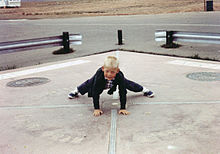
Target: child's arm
column 123, row 100
column 97, row 111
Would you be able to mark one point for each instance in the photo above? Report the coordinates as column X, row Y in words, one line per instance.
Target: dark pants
column 130, row 85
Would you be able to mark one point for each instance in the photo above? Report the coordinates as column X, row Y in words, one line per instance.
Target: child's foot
column 149, row 94
column 73, row 95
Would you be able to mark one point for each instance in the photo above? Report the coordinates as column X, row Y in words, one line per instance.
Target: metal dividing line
column 112, row 142
column 44, row 106
column 175, row 103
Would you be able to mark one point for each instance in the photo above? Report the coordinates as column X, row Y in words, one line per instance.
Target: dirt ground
column 73, row 8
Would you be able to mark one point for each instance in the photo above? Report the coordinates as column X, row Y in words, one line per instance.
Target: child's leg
column 132, row 86
column 82, row 89
column 135, row 87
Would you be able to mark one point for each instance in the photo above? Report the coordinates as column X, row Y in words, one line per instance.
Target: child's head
column 110, row 67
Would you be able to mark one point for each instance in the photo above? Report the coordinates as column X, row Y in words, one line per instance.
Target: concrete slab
column 182, row 118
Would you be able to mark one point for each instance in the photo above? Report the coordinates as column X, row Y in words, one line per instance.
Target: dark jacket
column 96, row 85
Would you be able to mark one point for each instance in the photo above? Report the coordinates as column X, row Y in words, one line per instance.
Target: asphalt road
column 100, row 34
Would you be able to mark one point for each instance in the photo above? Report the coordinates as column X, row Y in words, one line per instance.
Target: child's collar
column 110, row 80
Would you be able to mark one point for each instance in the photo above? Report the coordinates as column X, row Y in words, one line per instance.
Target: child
column 108, row 77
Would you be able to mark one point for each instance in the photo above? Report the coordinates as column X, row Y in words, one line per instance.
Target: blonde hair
column 111, row 62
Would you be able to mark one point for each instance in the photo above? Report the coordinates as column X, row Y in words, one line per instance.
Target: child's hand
column 97, row 112
column 124, row 112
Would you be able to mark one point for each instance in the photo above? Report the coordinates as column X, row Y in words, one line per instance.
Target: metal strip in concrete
column 41, row 69
column 113, row 112
column 112, row 142
column 43, row 106
column 195, row 64
column 175, row 103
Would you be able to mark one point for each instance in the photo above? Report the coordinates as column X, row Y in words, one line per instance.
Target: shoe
column 149, row 94
column 73, row 95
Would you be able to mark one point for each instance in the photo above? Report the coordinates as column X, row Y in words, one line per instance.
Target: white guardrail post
column 184, row 36
column 64, row 40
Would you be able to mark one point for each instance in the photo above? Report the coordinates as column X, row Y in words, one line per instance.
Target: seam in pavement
column 114, row 111
column 44, row 106
column 175, row 103
column 112, row 141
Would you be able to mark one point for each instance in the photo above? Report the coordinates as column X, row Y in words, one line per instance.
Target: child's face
column 110, row 73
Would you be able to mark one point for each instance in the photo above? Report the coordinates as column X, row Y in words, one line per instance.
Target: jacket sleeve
column 96, row 102
column 88, row 86
column 95, row 94
column 122, row 91
column 123, row 101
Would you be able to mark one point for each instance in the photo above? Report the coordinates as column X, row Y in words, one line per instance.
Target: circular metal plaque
column 27, row 82
column 204, row 76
